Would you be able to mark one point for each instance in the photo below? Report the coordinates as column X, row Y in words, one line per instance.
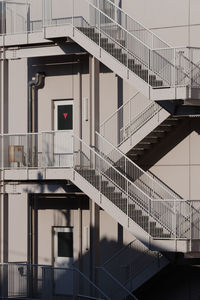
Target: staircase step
column 122, row 42
column 171, row 122
column 87, row 171
column 165, row 127
column 144, row 145
column 104, row 40
column 138, row 151
column 152, row 78
column 157, row 83
column 123, row 59
column 132, row 155
column 144, row 75
column 158, row 133
column 131, row 61
column 108, row 47
column 151, row 139
column 86, row 29
column 108, row 190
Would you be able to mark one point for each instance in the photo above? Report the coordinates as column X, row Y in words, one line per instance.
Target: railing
column 128, row 196
column 136, row 47
column 155, row 189
column 131, row 261
column 37, row 150
column 45, row 282
column 111, row 286
column 151, row 40
column 131, row 25
column 140, row 178
column 128, row 119
column 163, row 62
column 134, row 192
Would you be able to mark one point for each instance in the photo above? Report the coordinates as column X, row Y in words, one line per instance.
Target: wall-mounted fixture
column 86, row 238
column 85, row 109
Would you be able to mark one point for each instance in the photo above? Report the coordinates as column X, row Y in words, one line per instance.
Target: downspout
column 37, row 82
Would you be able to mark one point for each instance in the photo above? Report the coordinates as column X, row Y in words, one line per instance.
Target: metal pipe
column 37, row 82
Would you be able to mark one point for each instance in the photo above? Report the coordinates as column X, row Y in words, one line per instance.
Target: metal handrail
column 120, row 26
column 131, row 162
column 111, row 166
column 142, row 25
column 130, row 196
column 116, row 281
column 118, row 253
column 150, row 48
column 57, row 268
column 115, row 112
column 139, row 115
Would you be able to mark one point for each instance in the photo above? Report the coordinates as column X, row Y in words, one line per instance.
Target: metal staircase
column 136, row 54
column 153, row 138
column 115, row 48
column 159, row 68
column 135, row 199
column 133, row 121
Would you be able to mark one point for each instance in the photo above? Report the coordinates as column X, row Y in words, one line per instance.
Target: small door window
column 65, row 117
column 65, row 244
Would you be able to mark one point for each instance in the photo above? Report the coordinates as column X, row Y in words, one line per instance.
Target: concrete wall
column 110, row 240
column 176, row 22
column 17, row 228
column 179, row 168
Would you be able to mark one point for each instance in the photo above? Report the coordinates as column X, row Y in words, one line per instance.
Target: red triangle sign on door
column 65, row 115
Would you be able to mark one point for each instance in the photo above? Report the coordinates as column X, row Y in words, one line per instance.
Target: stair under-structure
column 153, row 138
column 135, row 264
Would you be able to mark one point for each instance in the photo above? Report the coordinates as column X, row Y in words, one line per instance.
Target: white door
column 63, row 139
column 63, row 258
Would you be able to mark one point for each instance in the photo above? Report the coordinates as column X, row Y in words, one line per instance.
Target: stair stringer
column 142, row 277
column 113, row 64
column 167, row 245
column 143, row 131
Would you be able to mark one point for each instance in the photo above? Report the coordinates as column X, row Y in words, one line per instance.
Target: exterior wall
column 17, row 228
column 17, row 104
column 176, row 22
column 180, row 167
column 110, row 241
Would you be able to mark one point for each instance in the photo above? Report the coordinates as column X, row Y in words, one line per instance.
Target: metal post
column 190, row 207
column 73, row 16
column 127, row 55
column 129, row 114
column 149, row 57
column 149, row 216
column 99, row 30
column 127, row 202
column 174, row 72
column 175, row 221
column 191, row 59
